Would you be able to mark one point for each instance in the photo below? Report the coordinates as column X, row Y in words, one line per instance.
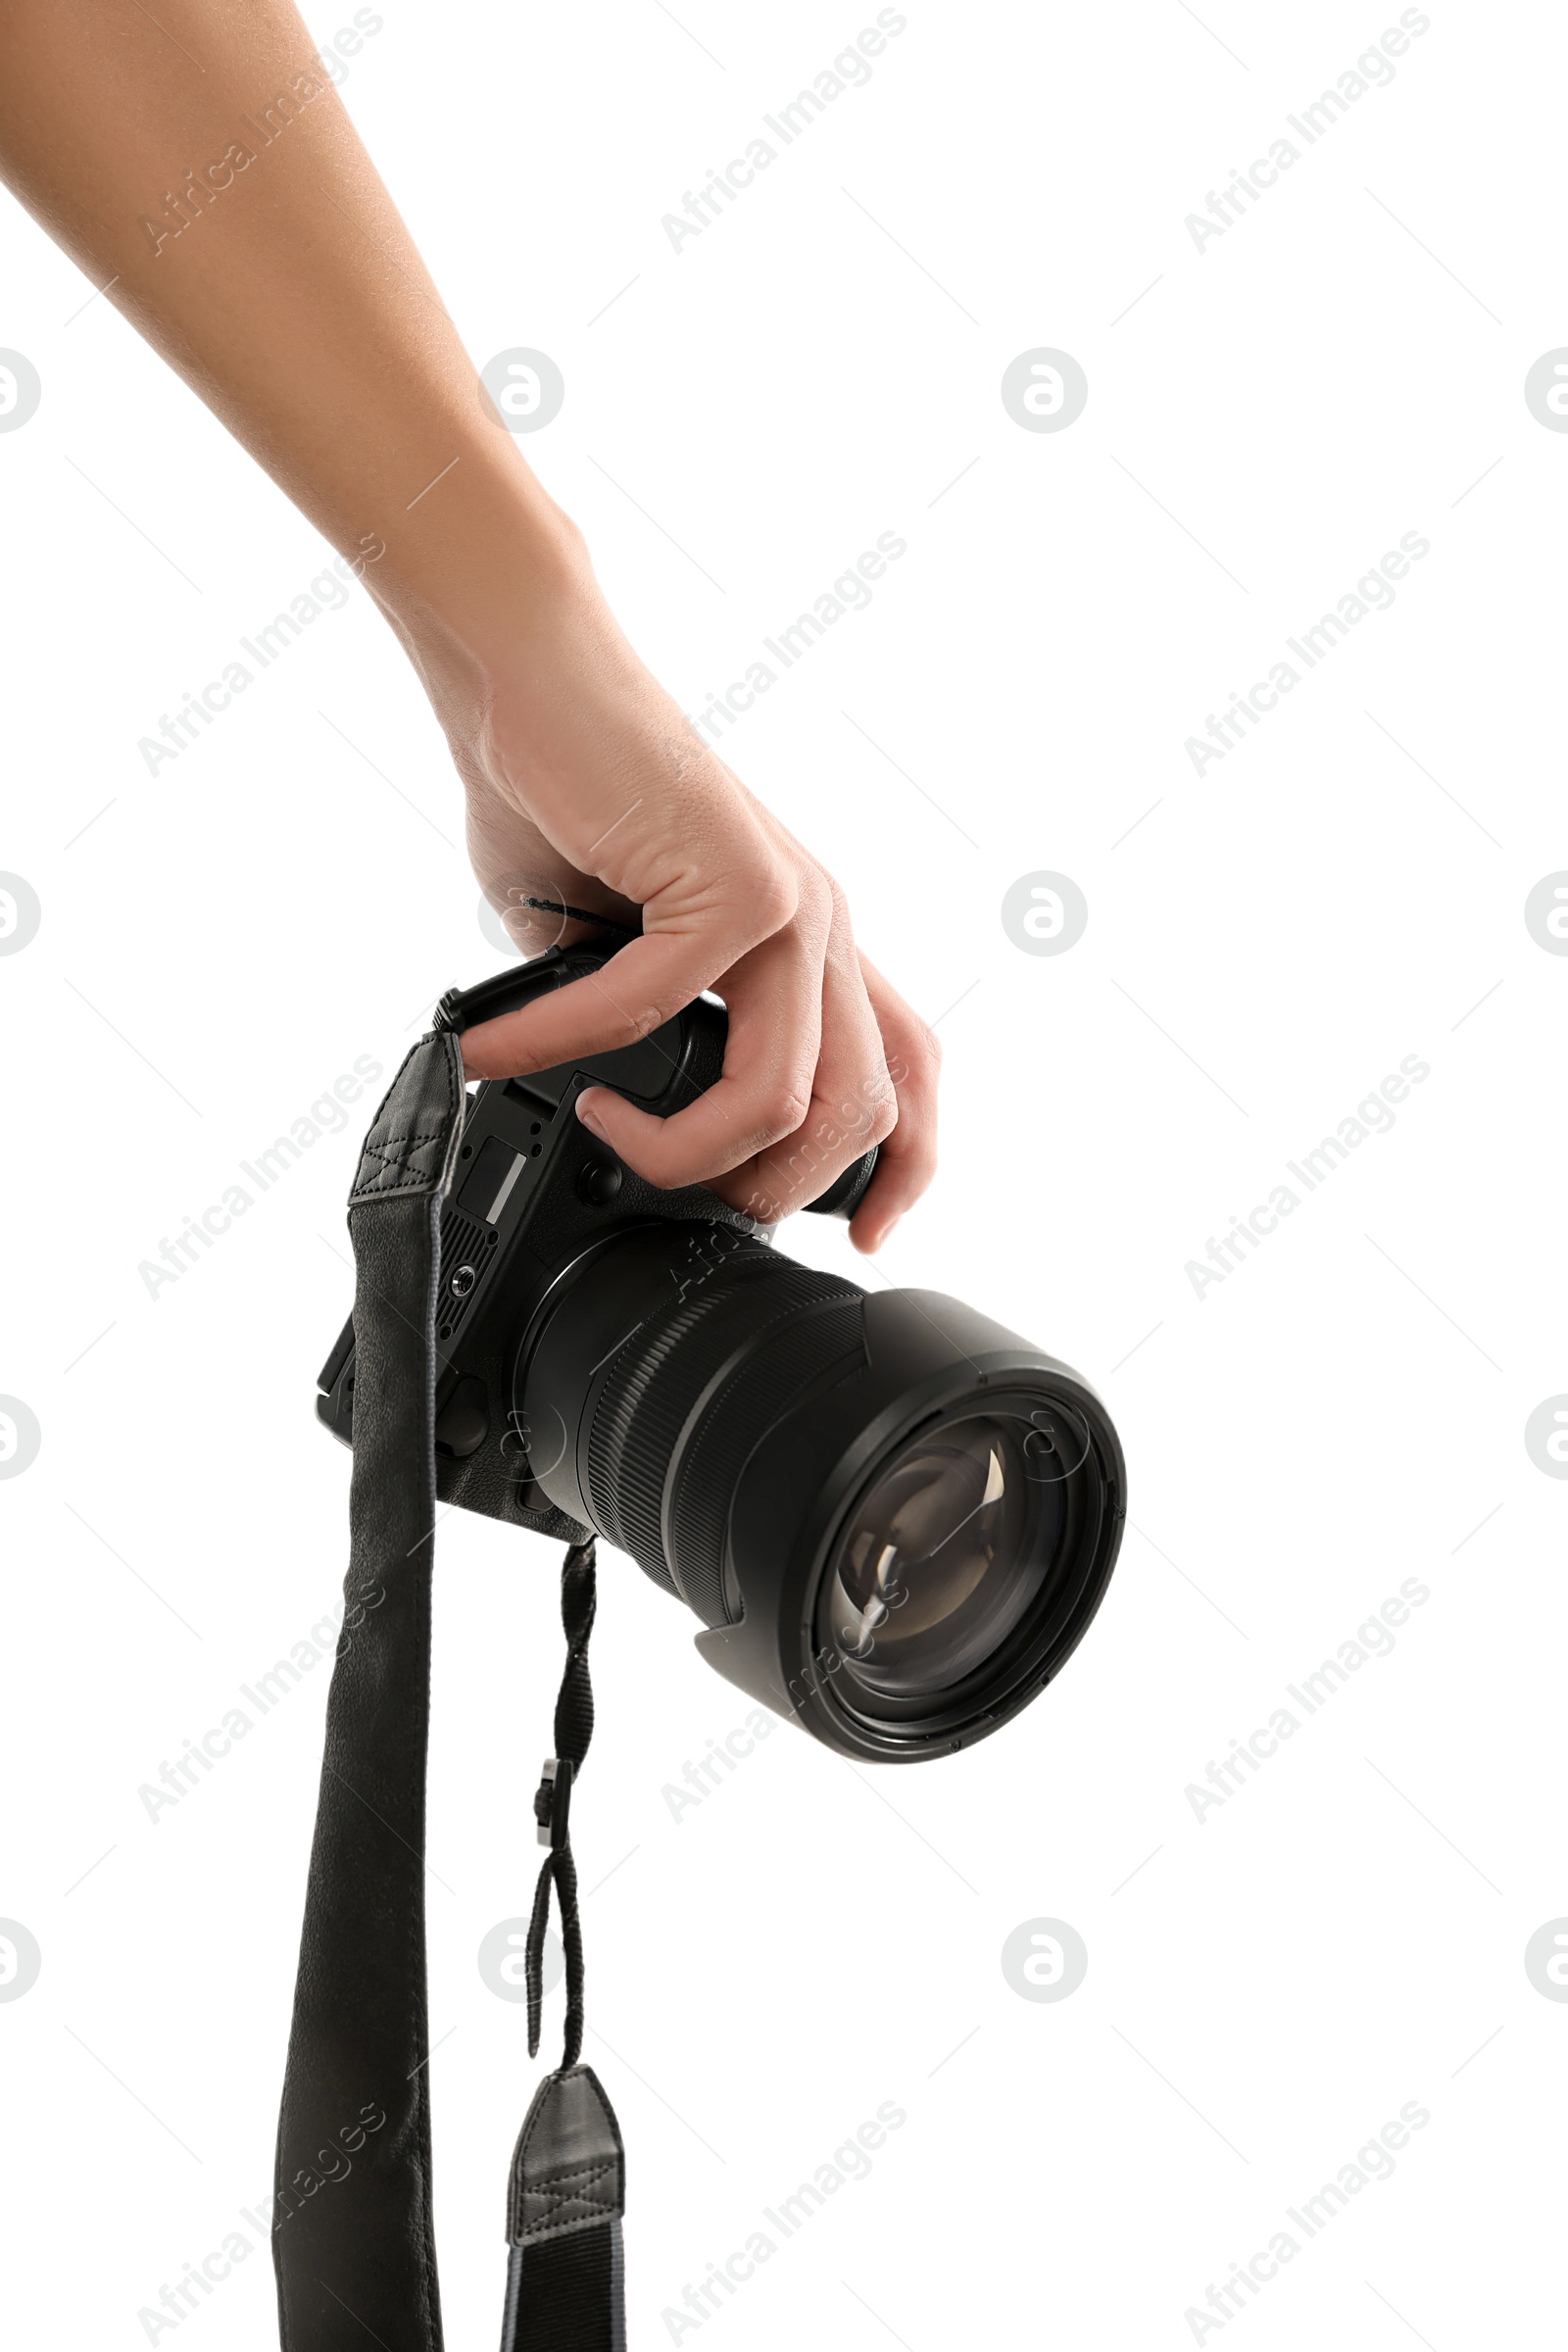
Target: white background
column 1345, row 1932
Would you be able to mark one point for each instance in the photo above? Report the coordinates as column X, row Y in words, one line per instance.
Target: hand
column 584, row 782
column 586, row 787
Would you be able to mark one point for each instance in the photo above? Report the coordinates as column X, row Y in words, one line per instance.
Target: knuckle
column 772, row 897
column 872, row 1111
column 573, row 539
column 784, row 1110
column 639, row 1021
column 883, row 1118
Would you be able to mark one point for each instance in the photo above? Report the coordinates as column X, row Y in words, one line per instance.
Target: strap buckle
column 551, row 1804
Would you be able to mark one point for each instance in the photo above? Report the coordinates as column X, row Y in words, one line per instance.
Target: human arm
column 199, row 166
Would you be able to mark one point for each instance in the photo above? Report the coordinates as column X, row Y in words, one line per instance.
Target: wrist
column 470, row 582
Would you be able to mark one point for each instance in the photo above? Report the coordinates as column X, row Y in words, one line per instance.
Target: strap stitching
column 582, row 2171
column 392, row 1160
column 588, row 2207
column 597, row 2210
column 382, row 1151
column 376, row 1186
column 593, row 2209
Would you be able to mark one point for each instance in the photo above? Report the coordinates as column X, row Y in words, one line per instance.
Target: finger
column 643, row 985
column 775, row 1000
column 853, row 1102
column 907, row 1160
column 535, row 911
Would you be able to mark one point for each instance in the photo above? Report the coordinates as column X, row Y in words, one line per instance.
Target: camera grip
column 699, row 1056
column 504, row 991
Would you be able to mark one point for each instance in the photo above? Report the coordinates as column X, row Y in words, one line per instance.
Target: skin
column 293, row 301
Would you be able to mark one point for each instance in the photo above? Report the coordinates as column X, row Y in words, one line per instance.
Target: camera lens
column 893, row 1517
column 940, row 1560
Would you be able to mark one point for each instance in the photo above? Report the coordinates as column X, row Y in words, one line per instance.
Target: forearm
column 195, row 160
column 203, row 171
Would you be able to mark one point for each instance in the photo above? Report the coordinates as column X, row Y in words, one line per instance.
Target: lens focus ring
column 652, row 1386
column 826, row 1332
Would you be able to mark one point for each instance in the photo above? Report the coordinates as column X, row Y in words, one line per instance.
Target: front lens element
column 943, row 1559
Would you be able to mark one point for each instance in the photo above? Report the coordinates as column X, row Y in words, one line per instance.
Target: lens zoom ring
column 658, row 1377
column 827, row 1332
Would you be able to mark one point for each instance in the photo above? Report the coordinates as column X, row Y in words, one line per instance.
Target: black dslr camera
column 893, row 1517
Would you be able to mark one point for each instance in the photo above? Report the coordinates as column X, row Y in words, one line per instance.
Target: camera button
column 599, row 1181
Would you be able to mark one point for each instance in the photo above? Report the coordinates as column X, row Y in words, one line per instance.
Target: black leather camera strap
column 354, row 2242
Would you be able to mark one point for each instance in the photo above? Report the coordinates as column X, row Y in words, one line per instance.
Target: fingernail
column 590, row 1118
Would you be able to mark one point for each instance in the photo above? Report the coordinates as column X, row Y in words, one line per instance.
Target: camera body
column 534, row 1194
column 894, row 1518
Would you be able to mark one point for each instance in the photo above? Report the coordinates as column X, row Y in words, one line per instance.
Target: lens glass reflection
column 942, row 1560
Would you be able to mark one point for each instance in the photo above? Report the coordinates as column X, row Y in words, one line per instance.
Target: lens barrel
column 893, row 1517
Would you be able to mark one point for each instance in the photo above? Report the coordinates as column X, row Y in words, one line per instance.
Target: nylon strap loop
column 574, row 1729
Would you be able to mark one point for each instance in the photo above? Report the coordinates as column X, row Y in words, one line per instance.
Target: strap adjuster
column 551, row 1804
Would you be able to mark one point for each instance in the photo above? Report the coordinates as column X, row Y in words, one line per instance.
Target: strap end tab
column 565, row 2276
